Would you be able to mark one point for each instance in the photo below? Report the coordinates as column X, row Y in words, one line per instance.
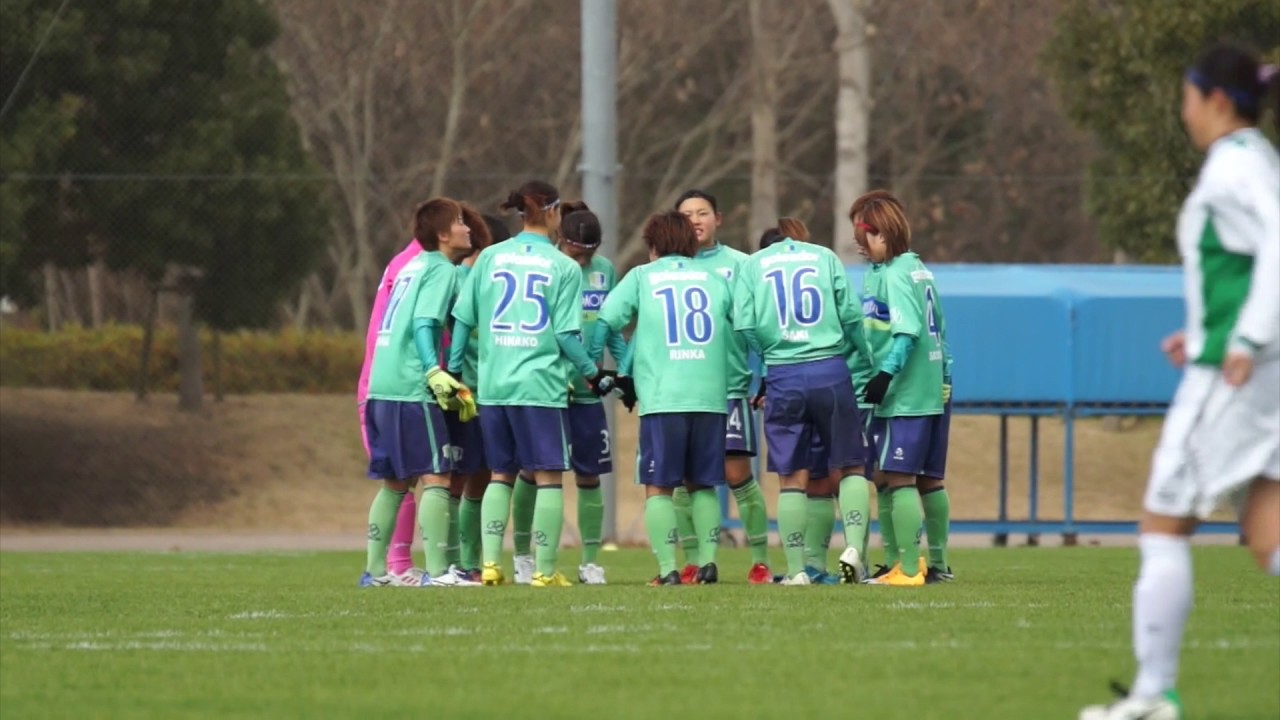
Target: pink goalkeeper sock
column 400, row 554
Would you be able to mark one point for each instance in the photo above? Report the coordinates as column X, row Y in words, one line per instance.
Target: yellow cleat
column 897, row 578
column 924, row 566
column 491, row 574
column 553, row 580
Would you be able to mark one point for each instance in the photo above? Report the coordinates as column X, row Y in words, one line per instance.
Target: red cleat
column 759, row 575
column 689, row 575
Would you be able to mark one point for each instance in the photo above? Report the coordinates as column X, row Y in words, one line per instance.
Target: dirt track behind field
column 94, row 470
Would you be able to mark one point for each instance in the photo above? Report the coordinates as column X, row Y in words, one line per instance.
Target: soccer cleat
column 897, row 578
column 367, row 580
column 923, row 565
column 881, row 571
column 591, row 574
column 524, row 569
column 552, row 580
column 799, row 579
column 689, row 575
column 449, row 578
column 491, row 574
column 759, row 575
column 671, row 578
column 820, row 577
column 1167, row 706
column 474, row 574
column 408, row 578
column 852, row 570
column 938, row 575
column 708, row 574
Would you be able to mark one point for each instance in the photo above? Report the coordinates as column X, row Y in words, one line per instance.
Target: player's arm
column 1259, row 323
column 566, row 321
column 464, row 320
column 619, row 309
column 906, row 322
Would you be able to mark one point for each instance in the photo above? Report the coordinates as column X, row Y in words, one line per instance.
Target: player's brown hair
column 481, row 238
column 670, row 233
column 534, row 200
column 793, row 228
column 434, row 218
column 880, row 213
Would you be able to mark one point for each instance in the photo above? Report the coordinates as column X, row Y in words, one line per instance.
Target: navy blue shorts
column 675, row 447
column 466, row 444
column 820, row 464
column 912, row 445
column 522, row 437
column 741, row 437
column 807, row 400
column 406, row 439
column 590, row 449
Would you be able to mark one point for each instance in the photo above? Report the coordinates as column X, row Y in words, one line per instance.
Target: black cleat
column 671, row 578
column 881, row 571
column 938, row 575
column 708, row 575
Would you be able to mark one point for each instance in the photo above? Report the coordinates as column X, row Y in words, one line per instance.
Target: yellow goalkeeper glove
column 946, row 393
column 465, row 403
column 443, row 386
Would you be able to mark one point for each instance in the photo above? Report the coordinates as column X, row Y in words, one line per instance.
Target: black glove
column 757, row 401
column 603, row 382
column 627, row 386
column 877, row 387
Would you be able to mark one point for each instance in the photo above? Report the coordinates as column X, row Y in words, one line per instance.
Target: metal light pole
column 600, row 161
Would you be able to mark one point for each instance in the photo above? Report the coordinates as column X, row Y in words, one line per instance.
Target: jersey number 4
column 688, row 312
column 930, row 317
column 797, row 301
column 533, row 289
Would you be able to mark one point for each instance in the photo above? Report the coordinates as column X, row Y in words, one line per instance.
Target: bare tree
column 853, row 115
column 764, row 115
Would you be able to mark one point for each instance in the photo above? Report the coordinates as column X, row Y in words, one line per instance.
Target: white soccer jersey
column 1229, row 240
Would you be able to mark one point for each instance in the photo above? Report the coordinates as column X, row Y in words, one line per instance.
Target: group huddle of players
column 484, row 375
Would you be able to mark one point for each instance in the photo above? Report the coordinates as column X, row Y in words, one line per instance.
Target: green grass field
column 1022, row 634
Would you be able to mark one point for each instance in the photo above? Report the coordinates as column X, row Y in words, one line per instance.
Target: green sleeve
column 464, row 311
column 620, row 306
column 571, row 345
column 436, row 288
column 426, row 337
column 744, row 312
column 566, row 310
column 628, row 359
column 906, row 313
column 458, row 345
column 848, row 309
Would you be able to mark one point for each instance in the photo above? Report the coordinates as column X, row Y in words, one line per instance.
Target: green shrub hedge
column 252, row 362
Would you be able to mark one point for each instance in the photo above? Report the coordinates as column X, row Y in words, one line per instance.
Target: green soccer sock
column 523, row 498
column 469, row 533
column 590, row 521
column 494, row 511
column 706, row 522
column 755, row 519
column 453, row 552
column 382, row 520
column 660, row 523
column 818, row 526
column 548, row 523
column 855, row 510
column 792, row 516
column 906, row 528
column 433, row 518
column 684, row 525
column 884, row 511
column 937, row 525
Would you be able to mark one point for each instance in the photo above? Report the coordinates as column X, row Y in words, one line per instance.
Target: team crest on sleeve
column 727, row 273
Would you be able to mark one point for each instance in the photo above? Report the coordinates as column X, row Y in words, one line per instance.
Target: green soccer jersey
column 520, row 295
column 598, row 278
column 899, row 297
column 471, row 358
column 683, row 309
column 726, row 261
column 424, row 289
column 796, row 298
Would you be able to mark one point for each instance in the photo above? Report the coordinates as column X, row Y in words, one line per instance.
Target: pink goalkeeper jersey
column 379, row 309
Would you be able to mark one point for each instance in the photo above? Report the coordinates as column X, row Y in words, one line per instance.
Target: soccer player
column 1221, row 437
column 470, row 474
column 904, row 328
column 525, row 298
column 408, row 440
column 793, row 301
column 741, row 438
column 683, row 308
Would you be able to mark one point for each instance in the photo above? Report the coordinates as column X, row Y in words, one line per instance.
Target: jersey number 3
column 534, row 291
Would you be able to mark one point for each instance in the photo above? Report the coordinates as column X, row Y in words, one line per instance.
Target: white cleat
column 452, row 577
column 1162, row 707
column 409, row 578
column 591, row 574
column 852, row 571
column 798, row 579
column 524, row 569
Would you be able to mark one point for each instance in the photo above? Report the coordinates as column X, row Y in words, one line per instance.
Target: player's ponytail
column 534, row 201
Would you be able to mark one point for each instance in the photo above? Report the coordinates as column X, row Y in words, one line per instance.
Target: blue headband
column 1244, row 100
